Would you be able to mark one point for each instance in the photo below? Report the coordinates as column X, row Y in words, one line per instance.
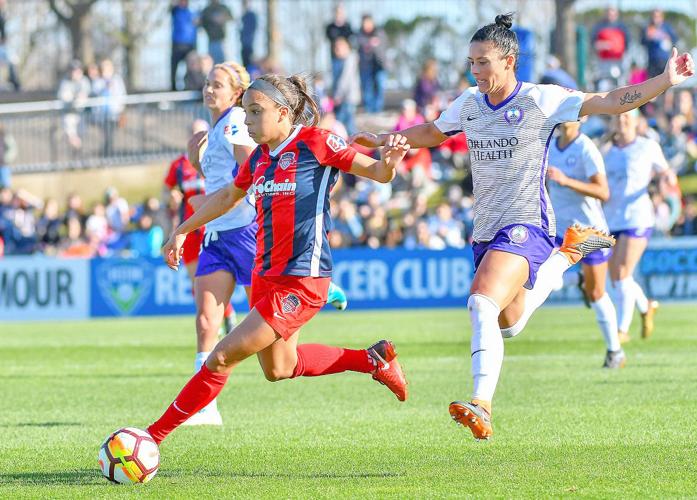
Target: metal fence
column 51, row 135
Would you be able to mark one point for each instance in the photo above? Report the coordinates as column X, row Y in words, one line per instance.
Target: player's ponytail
column 500, row 34
column 306, row 108
column 291, row 92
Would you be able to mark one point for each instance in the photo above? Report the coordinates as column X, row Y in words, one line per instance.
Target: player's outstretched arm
column 678, row 69
column 383, row 170
column 216, row 205
column 425, row 135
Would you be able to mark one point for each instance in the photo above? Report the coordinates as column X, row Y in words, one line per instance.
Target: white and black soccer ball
column 129, row 456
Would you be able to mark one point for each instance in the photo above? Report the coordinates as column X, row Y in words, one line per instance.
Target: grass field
column 563, row 426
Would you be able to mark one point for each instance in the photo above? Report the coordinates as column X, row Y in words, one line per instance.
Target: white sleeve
column 658, row 160
column 592, row 159
column 449, row 120
column 559, row 103
column 236, row 131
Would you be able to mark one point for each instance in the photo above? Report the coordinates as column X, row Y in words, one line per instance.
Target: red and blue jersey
column 183, row 176
column 291, row 186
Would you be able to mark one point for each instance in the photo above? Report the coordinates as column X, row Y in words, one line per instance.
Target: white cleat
column 207, row 416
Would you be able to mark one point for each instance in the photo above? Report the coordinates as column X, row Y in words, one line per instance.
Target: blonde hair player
column 509, row 125
column 631, row 161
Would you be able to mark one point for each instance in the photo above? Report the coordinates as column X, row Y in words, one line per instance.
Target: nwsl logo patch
column 336, row 143
column 290, row 303
column 124, row 285
column 518, row 234
column 513, row 115
column 286, row 160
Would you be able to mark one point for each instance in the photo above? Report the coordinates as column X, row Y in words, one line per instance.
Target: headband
column 270, row 91
column 230, row 70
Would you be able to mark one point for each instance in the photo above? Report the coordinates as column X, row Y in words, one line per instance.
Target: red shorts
column 288, row 302
column 192, row 246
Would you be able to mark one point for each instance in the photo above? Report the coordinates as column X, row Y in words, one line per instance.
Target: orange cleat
column 579, row 241
column 387, row 369
column 647, row 319
column 474, row 416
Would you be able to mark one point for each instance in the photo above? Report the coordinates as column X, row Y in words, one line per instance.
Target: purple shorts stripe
column 232, row 251
column 592, row 259
column 634, row 232
column 525, row 240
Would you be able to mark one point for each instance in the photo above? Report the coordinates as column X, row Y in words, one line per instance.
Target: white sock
column 624, row 298
column 607, row 321
column 549, row 276
column 642, row 303
column 486, row 345
column 201, row 358
column 570, row 279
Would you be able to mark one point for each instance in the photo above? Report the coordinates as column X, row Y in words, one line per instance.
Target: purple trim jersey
column 508, row 146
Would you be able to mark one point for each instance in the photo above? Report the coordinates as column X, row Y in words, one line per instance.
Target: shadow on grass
column 43, row 424
column 283, row 475
column 75, row 477
column 183, row 376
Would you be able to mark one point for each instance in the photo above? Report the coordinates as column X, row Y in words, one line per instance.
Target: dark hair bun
column 504, row 20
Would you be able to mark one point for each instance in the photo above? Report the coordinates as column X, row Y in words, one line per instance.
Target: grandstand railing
column 124, row 130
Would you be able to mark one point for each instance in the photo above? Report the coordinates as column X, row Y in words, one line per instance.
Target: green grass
column 563, row 426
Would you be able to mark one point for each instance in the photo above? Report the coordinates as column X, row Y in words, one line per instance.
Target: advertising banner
column 143, row 287
column 372, row 280
column 42, row 288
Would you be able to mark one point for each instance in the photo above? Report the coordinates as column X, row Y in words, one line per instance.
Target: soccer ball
column 128, row 456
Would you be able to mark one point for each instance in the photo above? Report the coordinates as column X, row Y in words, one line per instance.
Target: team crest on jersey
column 290, row 303
column 336, row 143
column 230, row 129
column 124, row 285
column 518, row 234
column 571, row 161
column 513, row 115
column 286, row 160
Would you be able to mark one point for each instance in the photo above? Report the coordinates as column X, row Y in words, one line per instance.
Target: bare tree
column 565, row 35
column 273, row 35
column 75, row 15
column 141, row 19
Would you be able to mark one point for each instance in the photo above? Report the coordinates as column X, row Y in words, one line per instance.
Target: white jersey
column 219, row 167
column 508, row 150
column 629, row 172
column 579, row 160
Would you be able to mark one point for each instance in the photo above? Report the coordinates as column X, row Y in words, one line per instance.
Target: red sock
column 318, row 359
column 196, row 394
column 228, row 311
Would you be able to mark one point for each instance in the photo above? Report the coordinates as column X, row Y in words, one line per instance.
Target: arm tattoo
column 629, row 98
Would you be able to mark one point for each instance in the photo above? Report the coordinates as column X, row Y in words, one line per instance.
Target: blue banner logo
column 124, row 284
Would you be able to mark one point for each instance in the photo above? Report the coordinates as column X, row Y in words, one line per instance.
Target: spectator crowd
column 429, row 204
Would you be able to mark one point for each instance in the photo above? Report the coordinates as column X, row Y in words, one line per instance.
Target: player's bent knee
column 275, row 374
column 207, row 323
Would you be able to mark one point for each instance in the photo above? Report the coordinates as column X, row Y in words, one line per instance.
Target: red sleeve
column 171, row 179
column 244, row 175
column 330, row 149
